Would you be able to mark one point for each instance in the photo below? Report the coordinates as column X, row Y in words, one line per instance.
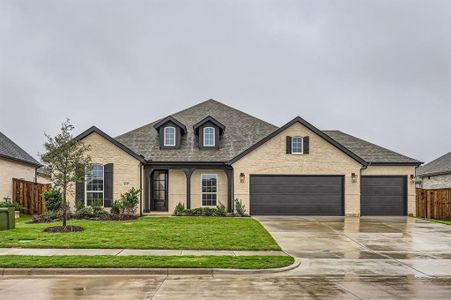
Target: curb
column 139, row 271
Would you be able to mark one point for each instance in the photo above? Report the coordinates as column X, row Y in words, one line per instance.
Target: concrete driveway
column 372, row 246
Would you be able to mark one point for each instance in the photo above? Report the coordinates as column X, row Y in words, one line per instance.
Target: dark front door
column 296, row 195
column 159, row 201
column 383, row 196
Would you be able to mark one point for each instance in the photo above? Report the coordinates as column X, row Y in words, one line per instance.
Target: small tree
column 67, row 160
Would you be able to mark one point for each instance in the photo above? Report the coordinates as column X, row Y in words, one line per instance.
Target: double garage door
column 324, row 195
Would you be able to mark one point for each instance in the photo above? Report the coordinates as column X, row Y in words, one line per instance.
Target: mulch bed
column 63, row 229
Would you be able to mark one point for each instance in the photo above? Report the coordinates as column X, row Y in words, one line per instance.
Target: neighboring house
column 211, row 153
column 15, row 163
column 436, row 174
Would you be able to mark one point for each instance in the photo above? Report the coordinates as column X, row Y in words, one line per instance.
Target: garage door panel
column 293, row 189
column 383, row 196
column 296, row 195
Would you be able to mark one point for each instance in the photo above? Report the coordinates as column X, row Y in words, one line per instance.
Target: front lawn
column 109, row 261
column 146, row 233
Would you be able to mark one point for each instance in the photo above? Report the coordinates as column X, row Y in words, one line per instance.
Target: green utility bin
column 7, row 218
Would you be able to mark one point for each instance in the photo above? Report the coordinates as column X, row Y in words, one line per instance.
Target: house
column 16, row 163
column 211, row 153
column 435, row 174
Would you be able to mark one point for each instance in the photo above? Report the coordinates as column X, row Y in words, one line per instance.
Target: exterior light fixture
column 412, row 177
column 354, row 177
column 242, row 177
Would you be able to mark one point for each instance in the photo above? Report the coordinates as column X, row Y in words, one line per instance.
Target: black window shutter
column 306, row 145
column 80, row 191
column 288, row 144
column 108, row 185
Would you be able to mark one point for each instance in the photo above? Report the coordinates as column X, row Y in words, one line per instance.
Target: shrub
column 221, row 210
column 84, row 213
column 79, row 204
column 116, row 207
column 97, row 208
column 53, row 200
column 179, row 209
column 130, row 201
column 240, row 208
column 8, row 203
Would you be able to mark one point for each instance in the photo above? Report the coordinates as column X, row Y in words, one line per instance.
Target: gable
column 310, row 128
column 322, row 154
column 100, row 140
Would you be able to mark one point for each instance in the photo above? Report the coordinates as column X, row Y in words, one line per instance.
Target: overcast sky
column 380, row 70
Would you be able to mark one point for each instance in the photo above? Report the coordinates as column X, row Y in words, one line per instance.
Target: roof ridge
column 192, row 107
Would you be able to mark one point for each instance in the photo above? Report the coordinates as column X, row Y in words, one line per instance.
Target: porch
column 194, row 185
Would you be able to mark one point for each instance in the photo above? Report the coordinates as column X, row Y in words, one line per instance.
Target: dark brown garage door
column 383, row 196
column 296, row 195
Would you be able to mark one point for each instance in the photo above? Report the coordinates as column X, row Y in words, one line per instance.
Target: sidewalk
column 131, row 252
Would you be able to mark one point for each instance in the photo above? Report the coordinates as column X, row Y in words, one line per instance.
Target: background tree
column 66, row 159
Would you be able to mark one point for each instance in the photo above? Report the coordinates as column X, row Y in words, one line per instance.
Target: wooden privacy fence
column 435, row 204
column 28, row 195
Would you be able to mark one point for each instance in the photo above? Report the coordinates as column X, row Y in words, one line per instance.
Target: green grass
column 109, row 261
column 439, row 221
column 146, row 233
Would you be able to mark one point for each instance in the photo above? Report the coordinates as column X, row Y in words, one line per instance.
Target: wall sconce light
column 354, row 177
column 242, row 177
column 412, row 177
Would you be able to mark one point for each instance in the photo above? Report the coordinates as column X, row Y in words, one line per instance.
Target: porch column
column 147, row 188
column 188, row 173
column 230, row 192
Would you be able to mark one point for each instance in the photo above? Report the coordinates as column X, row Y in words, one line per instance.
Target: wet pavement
column 372, row 246
column 223, row 287
column 342, row 258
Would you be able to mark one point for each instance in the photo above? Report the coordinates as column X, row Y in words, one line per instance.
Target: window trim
column 164, row 136
column 202, row 193
column 214, row 136
column 302, row 144
column 103, row 184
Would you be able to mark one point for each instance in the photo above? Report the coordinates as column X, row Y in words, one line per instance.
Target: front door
column 159, row 200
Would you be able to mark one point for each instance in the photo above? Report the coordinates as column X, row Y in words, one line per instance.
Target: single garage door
column 383, row 196
column 296, row 195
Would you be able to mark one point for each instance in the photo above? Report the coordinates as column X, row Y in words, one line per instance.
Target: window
column 94, row 185
column 169, row 136
column 209, row 136
column 296, row 145
column 209, row 189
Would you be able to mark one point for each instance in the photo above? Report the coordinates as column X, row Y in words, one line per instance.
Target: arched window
column 209, row 136
column 169, row 136
column 94, row 186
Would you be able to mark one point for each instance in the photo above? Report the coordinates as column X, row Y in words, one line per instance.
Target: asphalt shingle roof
column 441, row 165
column 371, row 153
column 11, row 150
column 241, row 132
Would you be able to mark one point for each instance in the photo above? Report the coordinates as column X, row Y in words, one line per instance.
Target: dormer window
column 209, row 136
column 209, row 131
column 170, row 133
column 169, row 136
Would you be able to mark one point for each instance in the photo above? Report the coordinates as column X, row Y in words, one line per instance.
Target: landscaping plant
column 53, row 200
column 240, row 208
column 130, row 200
column 7, row 203
column 66, row 159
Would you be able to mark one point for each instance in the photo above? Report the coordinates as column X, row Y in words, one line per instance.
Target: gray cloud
column 380, row 70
